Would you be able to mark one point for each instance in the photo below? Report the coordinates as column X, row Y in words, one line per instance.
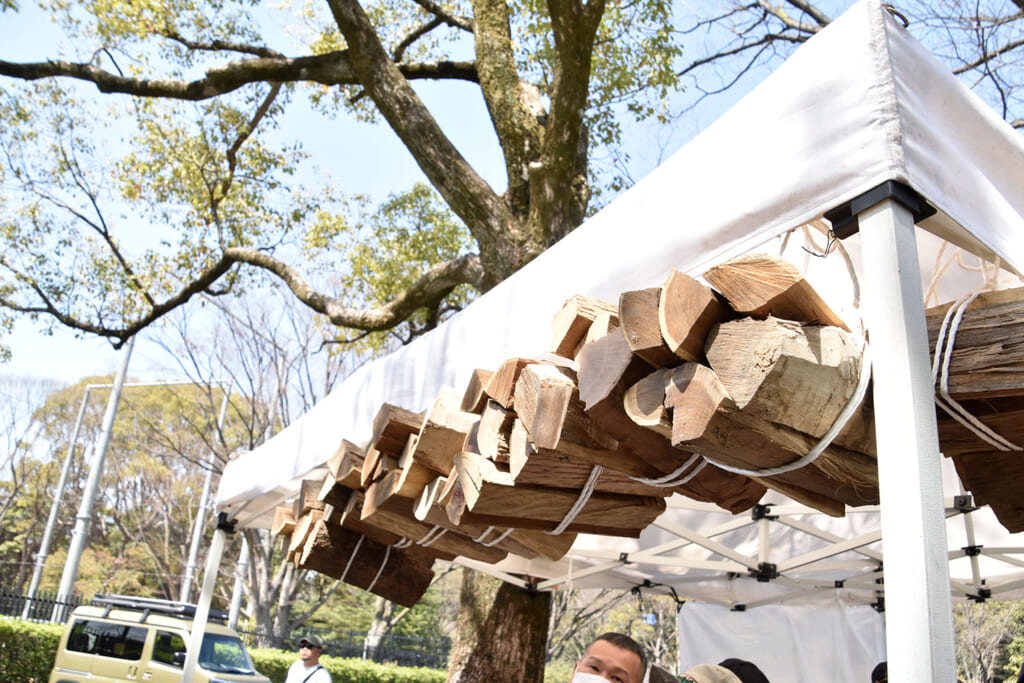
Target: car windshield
column 224, row 654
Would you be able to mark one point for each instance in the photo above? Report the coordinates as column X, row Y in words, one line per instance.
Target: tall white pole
column 58, row 498
column 918, row 603
column 204, row 502
column 205, row 595
column 236, row 592
column 81, row 533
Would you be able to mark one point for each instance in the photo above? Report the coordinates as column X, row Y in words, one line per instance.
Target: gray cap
column 312, row 641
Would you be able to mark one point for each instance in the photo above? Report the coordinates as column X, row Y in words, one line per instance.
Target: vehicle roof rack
column 154, row 606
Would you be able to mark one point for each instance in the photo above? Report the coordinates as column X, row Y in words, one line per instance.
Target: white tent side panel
column 826, row 126
column 785, row 642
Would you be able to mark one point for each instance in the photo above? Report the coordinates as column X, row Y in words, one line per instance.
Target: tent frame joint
column 765, row 572
column 964, row 503
column 226, row 523
column 844, row 218
column 762, row 511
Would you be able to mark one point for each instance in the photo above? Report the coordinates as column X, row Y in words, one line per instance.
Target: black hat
column 744, row 670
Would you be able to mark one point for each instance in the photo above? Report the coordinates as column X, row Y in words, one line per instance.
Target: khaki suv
column 121, row 638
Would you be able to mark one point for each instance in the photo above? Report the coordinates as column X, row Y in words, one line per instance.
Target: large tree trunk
column 501, row 633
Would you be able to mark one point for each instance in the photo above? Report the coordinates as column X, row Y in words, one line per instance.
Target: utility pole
column 81, row 533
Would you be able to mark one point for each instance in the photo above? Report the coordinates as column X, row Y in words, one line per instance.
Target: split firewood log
column 493, row 431
column 397, row 575
column 474, row 397
column 638, row 321
column 760, row 285
column 443, row 432
column 571, row 324
column 706, row 420
column 391, row 429
column 484, row 494
column 687, row 310
column 800, row 376
column 284, row 521
column 607, row 368
column 534, row 466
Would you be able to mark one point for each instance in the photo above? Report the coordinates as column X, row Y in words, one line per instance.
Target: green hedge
column 27, row 652
column 274, row 665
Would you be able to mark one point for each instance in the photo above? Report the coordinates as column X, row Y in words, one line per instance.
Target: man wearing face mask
column 611, row 658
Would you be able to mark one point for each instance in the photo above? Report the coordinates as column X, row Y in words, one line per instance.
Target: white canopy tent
column 859, row 105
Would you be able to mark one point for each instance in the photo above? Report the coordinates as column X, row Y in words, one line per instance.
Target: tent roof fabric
column 859, row 104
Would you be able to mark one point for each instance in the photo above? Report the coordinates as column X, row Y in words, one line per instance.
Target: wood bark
column 395, row 574
column 718, row 430
column 513, row 625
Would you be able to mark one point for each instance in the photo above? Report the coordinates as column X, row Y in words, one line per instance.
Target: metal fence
column 44, row 606
column 392, row 649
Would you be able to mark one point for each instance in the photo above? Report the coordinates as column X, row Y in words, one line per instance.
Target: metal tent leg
column 919, row 617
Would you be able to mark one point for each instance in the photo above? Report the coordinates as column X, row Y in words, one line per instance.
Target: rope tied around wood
column 581, row 501
column 826, row 440
column 501, row 537
column 351, row 558
column 387, row 554
column 672, row 479
column 941, row 359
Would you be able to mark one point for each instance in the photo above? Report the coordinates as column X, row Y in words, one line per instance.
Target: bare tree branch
column 464, row 23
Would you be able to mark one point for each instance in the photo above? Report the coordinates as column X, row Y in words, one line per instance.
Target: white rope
column 588, row 490
column 352, row 557
column 826, row 440
column 387, row 554
column 481, row 537
column 941, row 359
column 404, row 543
column 431, row 536
column 501, row 537
column 670, row 480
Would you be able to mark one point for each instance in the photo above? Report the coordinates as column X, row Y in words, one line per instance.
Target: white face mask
column 580, row 677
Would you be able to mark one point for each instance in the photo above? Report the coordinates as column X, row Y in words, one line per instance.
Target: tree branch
column 464, row 23
column 332, row 68
column 424, row 291
column 470, row 197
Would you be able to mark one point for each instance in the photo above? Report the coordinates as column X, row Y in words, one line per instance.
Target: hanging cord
column 826, row 440
column 501, row 537
column 588, row 490
column 670, row 480
column 387, row 554
column 941, row 359
column 351, row 557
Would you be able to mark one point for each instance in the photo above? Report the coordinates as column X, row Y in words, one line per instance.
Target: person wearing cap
column 308, row 668
column 611, row 658
column 709, row 673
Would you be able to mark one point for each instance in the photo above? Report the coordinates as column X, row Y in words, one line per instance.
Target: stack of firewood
column 683, row 388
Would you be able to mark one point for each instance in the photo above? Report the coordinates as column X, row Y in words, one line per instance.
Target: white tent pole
column 919, row 610
column 205, row 596
column 204, row 502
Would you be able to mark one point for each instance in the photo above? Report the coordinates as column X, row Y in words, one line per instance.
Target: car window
column 108, row 640
column 165, row 645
